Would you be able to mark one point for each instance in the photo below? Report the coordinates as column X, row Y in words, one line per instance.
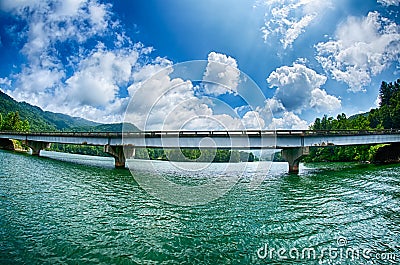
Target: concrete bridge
column 293, row 143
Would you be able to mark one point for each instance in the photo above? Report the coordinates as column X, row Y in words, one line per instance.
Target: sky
column 188, row 64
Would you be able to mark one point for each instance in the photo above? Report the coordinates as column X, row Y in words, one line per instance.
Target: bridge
column 294, row 143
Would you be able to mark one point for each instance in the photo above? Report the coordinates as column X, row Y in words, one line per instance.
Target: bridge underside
column 6, row 144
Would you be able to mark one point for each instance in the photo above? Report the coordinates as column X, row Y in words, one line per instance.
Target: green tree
column 385, row 94
column 25, row 126
column 12, row 122
column 317, row 124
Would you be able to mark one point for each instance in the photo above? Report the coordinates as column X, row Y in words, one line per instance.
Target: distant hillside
column 114, row 127
column 355, row 116
column 40, row 120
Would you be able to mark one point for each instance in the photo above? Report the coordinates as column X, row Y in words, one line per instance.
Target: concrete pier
column 293, row 157
column 36, row 146
column 120, row 153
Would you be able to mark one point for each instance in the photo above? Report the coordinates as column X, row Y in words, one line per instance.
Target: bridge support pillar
column 36, row 146
column 120, row 153
column 293, row 157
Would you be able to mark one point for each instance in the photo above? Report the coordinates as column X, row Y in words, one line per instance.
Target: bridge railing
column 208, row 133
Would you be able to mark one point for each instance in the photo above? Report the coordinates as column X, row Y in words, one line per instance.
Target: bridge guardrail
column 248, row 133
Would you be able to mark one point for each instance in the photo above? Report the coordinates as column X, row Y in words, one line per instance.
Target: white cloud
column 5, row 81
column 99, row 75
column 288, row 19
column 275, row 116
column 298, row 88
column 50, row 22
column 362, row 48
column 87, row 83
column 377, row 101
column 221, row 75
column 160, row 101
column 389, row 2
column 288, row 121
column 321, row 101
column 274, row 105
column 165, row 103
column 20, row 6
column 253, row 120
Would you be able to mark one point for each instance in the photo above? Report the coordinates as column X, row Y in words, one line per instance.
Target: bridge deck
column 205, row 133
column 249, row 139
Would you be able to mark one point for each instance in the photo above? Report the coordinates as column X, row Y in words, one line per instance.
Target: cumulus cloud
column 288, row 121
column 252, row 120
column 5, row 81
column 99, row 75
column 104, row 68
column 102, row 62
column 52, row 21
column 164, row 103
column 275, row 116
column 221, row 75
column 362, row 48
column 298, row 88
column 85, row 84
column 321, row 101
column 163, row 100
column 389, row 2
column 274, row 105
column 288, row 19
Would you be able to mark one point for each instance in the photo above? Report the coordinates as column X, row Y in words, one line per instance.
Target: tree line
column 386, row 116
column 195, row 155
column 13, row 122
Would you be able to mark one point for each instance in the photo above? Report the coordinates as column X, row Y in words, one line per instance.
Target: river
column 57, row 212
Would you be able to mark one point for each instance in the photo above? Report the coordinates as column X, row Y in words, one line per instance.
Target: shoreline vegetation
column 386, row 116
column 176, row 155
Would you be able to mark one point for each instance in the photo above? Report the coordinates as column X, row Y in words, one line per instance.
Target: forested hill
column 40, row 120
column 386, row 116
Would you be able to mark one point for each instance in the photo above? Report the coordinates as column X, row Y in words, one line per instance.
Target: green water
column 54, row 212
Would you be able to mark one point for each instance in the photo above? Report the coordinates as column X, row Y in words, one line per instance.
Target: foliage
column 13, row 122
column 78, row 149
column 40, row 120
column 219, row 155
column 387, row 116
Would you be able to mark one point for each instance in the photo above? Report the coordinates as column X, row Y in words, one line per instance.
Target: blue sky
column 93, row 59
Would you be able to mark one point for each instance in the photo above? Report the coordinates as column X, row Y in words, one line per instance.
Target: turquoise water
column 54, row 212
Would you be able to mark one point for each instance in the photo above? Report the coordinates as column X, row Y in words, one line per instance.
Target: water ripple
column 57, row 212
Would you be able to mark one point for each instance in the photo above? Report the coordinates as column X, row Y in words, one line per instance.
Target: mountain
column 115, row 127
column 355, row 116
column 40, row 120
